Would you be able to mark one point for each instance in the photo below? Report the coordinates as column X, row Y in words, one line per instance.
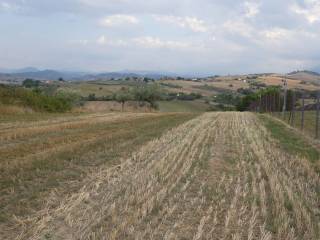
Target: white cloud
column 276, row 34
column 83, row 42
column 118, row 19
column 311, row 10
column 193, row 23
column 144, row 41
column 103, row 40
column 251, row 9
column 152, row 42
column 239, row 27
column 8, row 7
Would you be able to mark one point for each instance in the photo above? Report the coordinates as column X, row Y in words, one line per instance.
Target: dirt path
column 219, row 176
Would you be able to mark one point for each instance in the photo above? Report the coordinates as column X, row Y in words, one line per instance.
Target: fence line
column 291, row 106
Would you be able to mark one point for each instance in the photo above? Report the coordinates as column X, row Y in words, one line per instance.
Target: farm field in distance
column 221, row 175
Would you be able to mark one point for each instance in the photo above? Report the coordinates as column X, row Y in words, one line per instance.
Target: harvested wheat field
column 213, row 176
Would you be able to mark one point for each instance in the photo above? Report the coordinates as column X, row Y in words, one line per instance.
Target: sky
column 178, row 36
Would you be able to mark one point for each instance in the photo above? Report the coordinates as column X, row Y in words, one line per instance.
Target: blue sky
column 182, row 36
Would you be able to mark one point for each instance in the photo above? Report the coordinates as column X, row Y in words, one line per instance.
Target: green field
column 182, row 106
column 290, row 140
column 309, row 122
column 86, row 88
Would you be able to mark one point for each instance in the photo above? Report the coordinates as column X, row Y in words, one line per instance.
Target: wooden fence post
column 284, row 99
column 302, row 112
column 290, row 108
column 279, row 104
column 274, row 96
column 293, row 108
column 260, row 103
column 318, row 115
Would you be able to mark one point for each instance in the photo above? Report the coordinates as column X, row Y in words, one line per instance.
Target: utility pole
column 285, row 87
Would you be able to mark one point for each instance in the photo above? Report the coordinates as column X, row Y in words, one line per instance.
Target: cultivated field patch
column 218, row 176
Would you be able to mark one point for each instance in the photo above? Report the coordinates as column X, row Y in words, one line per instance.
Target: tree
column 122, row 96
column 147, row 93
column 264, row 96
column 30, row 83
column 92, row 97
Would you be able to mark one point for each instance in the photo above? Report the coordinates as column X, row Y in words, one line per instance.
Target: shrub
column 227, row 98
column 30, row 83
column 147, row 93
column 92, row 97
column 34, row 99
column 122, row 96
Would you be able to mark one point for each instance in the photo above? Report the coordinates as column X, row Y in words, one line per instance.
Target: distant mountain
column 22, row 74
column 47, row 75
column 19, row 70
column 305, row 75
column 305, row 72
column 150, row 74
column 25, row 70
column 316, row 69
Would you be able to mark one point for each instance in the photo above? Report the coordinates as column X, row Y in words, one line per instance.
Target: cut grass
column 290, row 140
column 309, row 121
column 34, row 116
column 25, row 185
column 220, row 175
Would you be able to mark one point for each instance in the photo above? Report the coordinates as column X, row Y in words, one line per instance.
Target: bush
column 122, row 96
column 245, row 102
column 30, row 83
column 147, row 93
column 34, row 99
column 227, row 98
column 92, row 97
column 183, row 96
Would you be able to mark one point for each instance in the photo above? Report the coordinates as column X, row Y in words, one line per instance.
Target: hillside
column 21, row 74
column 307, row 76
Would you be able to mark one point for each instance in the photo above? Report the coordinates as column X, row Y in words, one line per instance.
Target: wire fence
column 301, row 109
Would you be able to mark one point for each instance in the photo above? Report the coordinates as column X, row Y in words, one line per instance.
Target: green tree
column 150, row 93
column 92, row 97
column 30, row 83
column 122, row 96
